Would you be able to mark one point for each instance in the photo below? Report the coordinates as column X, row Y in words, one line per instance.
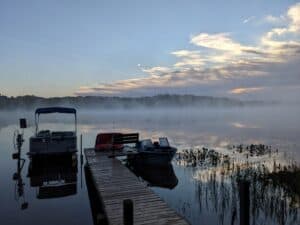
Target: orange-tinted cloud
column 245, row 90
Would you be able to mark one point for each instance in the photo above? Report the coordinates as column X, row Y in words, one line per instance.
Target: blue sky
column 132, row 48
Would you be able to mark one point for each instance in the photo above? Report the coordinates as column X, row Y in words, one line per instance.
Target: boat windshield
column 163, row 142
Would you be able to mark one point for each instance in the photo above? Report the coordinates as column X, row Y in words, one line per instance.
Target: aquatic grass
column 274, row 182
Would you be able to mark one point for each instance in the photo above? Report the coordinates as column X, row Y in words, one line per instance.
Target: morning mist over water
column 188, row 126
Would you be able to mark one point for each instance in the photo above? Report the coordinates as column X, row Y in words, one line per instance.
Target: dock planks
column 115, row 183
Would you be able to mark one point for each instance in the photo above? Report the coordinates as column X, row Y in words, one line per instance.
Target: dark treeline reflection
column 274, row 183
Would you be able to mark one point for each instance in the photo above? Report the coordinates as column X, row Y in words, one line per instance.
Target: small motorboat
column 46, row 142
column 158, row 152
column 106, row 142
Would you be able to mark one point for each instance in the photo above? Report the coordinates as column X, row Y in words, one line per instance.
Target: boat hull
column 152, row 157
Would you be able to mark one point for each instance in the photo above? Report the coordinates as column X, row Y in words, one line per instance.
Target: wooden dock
column 115, row 182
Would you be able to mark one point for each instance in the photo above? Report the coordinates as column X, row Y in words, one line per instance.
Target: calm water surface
column 198, row 192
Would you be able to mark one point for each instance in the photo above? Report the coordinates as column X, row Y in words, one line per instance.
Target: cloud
column 242, row 125
column 275, row 20
column 189, row 59
column 220, row 41
column 282, row 42
column 245, row 90
column 247, row 20
column 156, row 71
column 294, row 16
column 220, row 65
column 186, row 53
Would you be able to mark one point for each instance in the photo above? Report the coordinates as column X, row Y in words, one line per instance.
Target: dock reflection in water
column 156, row 176
column 54, row 177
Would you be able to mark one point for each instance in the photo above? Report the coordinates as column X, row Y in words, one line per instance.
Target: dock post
column 81, row 156
column 244, row 202
column 128, row 212
column 112, row 145
column 81, row 160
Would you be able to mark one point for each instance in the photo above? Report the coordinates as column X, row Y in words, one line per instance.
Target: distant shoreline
column 103, row 102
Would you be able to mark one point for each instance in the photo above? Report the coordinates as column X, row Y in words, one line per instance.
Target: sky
column 234, row 48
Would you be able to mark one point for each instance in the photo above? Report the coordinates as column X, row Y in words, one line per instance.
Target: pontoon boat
column 47, row 142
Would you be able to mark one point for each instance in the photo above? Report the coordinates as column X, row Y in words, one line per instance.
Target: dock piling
column 244, row 202
column 128, row 212
column 81, row 155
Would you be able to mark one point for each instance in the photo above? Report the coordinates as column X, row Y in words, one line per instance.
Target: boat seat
column 44, row 133
column 147, row 143
column 62, row 134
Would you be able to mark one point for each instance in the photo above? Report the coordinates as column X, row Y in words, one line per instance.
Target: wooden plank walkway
column 115, row 183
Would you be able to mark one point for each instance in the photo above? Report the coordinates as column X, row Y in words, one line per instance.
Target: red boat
column 105, row 142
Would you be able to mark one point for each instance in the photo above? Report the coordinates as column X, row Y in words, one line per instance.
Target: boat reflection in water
column 155, row 175
column 19, row 183
column 53, row 176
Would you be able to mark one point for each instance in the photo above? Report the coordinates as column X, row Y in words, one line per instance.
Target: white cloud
column 156, row 71
column 247, row 20
column 220, row 41
column 189, row 59
column 275, row 20
column 284, row 40
column 294, row 16
column 186, row 53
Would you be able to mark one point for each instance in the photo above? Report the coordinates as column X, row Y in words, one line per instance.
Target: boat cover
column 55, row 110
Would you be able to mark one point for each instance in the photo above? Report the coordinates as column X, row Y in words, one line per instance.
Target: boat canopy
column 55, row 110
column 48, row 110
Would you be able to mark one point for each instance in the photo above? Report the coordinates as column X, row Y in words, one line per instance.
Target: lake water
column 204, row 193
